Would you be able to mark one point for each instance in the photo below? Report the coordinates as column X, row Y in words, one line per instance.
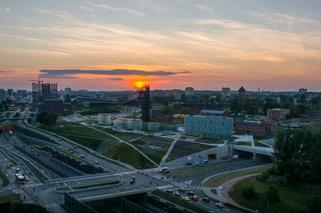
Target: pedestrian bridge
column 255, row 150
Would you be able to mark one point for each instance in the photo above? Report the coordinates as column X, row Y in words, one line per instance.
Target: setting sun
column 139, row 84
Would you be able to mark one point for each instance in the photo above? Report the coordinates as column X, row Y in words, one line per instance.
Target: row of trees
column 47, row 118
column 297, row 153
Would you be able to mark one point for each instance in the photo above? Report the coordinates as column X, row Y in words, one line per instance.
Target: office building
column 242, row 96
column 208, row 126
column 255, row 128
column 303, row 91
column 104, row 119
column 128, row 124
column 189, row 91
column 2, row 95
column 144, row 99
column 43, row 91
column 226, row 92
column 277, row 114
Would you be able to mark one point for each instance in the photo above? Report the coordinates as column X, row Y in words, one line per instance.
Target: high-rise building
column 242, row 95
column 144, row 98
column 226, row 92
column 189, row 91
column 303, row 91
column 43, row 91
column 2, row 95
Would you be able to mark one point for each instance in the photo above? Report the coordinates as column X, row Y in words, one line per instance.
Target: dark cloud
column 63, row 73
column 115, row 79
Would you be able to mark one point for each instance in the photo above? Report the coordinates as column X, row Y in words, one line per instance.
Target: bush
column 47, row 118
column 314, row 203
column 272, row 195
column 248, row 192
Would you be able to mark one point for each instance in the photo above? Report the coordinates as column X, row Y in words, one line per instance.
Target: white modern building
column 208, row 126
column 128, row 124
column 153, row 126
column 104, row 119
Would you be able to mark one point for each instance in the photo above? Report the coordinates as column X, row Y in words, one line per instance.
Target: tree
column 167, row 110
column 314, row 203
column 186, row 110
column 272, row 195
column 47, row 118
column 297, row 154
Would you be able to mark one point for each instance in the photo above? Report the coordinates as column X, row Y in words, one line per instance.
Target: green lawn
column 101, row 143
column 216, row 140
column 126, row 136
column 219, row 180
column 243, row 143
column 3, row 180
column 292, row 199
column 127, row 154
column 257, row 143
column 36, row 172
column 13, row 198
column 154, row 147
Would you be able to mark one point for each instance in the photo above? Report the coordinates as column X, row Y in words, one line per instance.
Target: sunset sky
column 206, row 44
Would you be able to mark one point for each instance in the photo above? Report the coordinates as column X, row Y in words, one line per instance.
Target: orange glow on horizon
column 140, row 84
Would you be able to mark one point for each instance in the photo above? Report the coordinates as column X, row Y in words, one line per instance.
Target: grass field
column 126, row 136
column 3, row 180
column 293, row 200
column 101, row 143
column 127, row 154
column 257, row 143
column 219, row 180
column 154, row 147
column 183, row 148
column 210, row 140
column 13, row 198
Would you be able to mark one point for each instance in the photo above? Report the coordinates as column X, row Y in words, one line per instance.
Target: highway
column 47, row 193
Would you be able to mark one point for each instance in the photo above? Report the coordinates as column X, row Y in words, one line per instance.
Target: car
column 206, row 199
column 82, row 156
column 169, row 191
column 96, row 162
column 194, row 197
column 189, row 163
column 132, row 181
column 181, row 190
column 235, row 157
column 196, row 164
column 205, row 161
column 190, row 193
column 221, row 205
column 177, row 194
column 186, row 198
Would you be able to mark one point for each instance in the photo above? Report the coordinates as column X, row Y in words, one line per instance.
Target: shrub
column 248, row 192
column 314, row 203
column 272, row 195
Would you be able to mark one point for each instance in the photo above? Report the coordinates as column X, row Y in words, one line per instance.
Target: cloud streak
column 67, row 73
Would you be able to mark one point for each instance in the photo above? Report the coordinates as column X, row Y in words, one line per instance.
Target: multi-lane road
column 45, row 193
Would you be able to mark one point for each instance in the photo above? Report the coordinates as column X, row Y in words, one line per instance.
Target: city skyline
column 108, row 45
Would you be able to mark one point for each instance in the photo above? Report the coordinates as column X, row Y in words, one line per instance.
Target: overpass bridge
column 266, row 151
column 122, row 193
